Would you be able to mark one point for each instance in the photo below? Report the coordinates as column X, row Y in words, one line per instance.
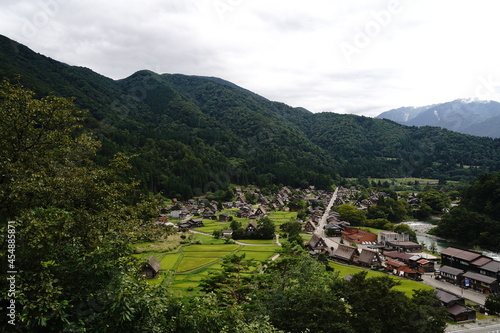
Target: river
column 422, row 227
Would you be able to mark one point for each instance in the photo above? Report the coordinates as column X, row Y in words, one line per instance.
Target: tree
column 402, row 227
column 433, row 247
column 265, row 228
column 232, row 285
column 493, row 303
column 438, row 201
column 298, row 294
column 297, row 205
column 73, row 218
column 351, row 214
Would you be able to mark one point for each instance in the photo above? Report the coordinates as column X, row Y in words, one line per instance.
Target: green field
column 169, row 261
column 282, row 217
column 185, row 267
column 211, row 225
column 256, row 241
column 211, row 248
column 372, row 230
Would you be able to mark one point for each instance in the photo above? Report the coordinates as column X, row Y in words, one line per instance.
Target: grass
column 372, row 230
column 192, row 263
column 169, row 261
column 282, row 217
column 169, row 244
column 482, row 316
column 211, row 225
column 205, row 254
column 256, row 241
column 406, row 286
column 211, row 248
column 258, row 256
column 208, row 240
column 271, row 248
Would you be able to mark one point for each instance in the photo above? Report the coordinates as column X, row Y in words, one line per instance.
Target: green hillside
column 195, row 134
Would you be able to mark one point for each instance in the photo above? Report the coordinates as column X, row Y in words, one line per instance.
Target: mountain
column 467, row 116
column 194, row 134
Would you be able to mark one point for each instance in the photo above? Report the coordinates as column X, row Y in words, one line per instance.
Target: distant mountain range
column 194, row 134
column 466, row 116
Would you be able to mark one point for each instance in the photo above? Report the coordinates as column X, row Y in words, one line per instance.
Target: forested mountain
column 194, row 134
column 467, row 116
column 476, row 220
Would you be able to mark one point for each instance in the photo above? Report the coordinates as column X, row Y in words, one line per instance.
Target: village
column 327, row 236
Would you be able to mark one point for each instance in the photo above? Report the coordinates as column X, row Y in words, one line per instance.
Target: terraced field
column 185, row 267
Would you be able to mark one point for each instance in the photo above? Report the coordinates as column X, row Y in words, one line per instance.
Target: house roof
column 480, row 277
column 492, row 266
column 481, row 261
column 405, row 244
column 155, row 264
column 457, row 309
column 345, row 252
column 395, row 263
column 461, row 254
column 251, row 223
column 451, row 270
column 317, row 239
column 367, row 256
column 399, row 255
column 423, row 262
column 445, row 296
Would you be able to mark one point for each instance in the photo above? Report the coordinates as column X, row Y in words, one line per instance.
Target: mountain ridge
column 194, row 134
column 468, row 116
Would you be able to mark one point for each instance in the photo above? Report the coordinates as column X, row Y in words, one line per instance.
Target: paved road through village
column 319, row 230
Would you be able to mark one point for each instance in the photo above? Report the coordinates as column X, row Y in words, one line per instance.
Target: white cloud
column 402, row 52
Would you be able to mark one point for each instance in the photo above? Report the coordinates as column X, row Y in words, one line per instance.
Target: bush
column 493, row 303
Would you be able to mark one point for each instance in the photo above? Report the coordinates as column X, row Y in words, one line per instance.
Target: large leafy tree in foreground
column 72, row 220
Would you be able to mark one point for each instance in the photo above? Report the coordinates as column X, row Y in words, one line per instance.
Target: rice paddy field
column 184, row 268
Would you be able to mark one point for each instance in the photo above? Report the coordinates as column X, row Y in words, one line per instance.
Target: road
column 473, row 296
column 319, row 230
column 474, row 327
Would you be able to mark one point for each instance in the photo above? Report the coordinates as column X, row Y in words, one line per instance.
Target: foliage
column 265, row 230
column 476, row 220
column 402, row 227
column 437, row 201
column 73, row 219
column 232, row 284
column 351, row 214
column 390, row 209
column 493, row 303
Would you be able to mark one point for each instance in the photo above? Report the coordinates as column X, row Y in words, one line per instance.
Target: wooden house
column 251, row 227
column 318, row 244
column 309, row 226
column 459, row 258
column 151, row 268
column 451, row 274
column 455, row 306
column 345, row 253
column 369, row 258
column 260, row 212
column 481, row 283
column 223, row 217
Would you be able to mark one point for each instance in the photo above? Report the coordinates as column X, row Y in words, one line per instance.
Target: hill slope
column 195, row 134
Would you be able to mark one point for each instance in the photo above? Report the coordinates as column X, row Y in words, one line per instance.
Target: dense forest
column 476, row 220
column 190, row 134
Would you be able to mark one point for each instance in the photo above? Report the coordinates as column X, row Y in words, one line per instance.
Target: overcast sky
column 360, row 57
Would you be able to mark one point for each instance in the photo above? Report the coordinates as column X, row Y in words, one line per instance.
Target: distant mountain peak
column 465, row 115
